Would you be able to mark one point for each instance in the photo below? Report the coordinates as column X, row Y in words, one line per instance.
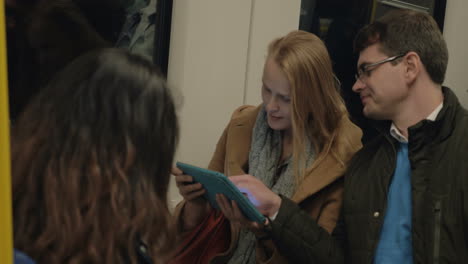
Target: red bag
column 210, row 238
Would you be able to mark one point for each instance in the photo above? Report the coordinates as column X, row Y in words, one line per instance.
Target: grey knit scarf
column 264, row 157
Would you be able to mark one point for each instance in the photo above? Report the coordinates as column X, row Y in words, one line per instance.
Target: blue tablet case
column 216, row 182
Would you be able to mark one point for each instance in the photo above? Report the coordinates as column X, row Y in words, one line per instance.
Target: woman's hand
column 232, row 212
column 196, row 207
column 266, row 201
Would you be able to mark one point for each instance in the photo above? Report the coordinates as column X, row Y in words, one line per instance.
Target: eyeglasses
column 364, row 70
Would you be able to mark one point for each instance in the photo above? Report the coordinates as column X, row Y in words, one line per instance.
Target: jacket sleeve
column 302, row 240
column 327, row 219
column 267, row 253
column 331, row 206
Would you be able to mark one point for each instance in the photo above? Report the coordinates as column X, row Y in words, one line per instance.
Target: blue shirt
column 21, row 258
column 395, row 243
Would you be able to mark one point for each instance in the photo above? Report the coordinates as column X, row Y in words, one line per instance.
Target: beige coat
column 320, row 192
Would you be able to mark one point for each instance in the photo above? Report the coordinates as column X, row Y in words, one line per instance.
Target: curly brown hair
column 91, row 161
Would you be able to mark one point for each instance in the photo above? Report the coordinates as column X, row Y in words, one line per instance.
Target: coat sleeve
column 303, row 240
column 326, row 220
column 331, row 206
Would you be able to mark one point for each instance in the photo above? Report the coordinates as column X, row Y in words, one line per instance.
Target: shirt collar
column 399, row 136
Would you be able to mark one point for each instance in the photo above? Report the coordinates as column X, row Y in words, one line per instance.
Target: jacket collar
column 331, row 167
column 427, row 131
column 239, row 140
column 246, row 119
column 435, row 131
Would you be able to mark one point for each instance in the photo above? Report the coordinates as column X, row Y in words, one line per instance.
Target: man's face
column 382, row 88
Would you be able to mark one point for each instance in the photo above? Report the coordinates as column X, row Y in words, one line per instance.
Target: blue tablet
column 216, row 182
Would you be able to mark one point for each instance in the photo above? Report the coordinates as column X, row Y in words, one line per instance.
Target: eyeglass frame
column 364, row 70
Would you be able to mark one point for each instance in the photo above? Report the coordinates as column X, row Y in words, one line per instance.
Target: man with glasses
column 406, row 191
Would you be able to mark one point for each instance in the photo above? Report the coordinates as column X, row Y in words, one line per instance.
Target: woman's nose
column 272, row 105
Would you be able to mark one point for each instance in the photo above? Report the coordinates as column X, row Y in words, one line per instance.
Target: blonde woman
column 297, row 143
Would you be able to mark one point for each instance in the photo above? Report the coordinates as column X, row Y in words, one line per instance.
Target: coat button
column 143, row 249
column 376, row 214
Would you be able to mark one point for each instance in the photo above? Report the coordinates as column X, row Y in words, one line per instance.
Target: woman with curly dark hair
column 91, row 159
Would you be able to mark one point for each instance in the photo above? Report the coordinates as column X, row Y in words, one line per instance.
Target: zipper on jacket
column 437, row 220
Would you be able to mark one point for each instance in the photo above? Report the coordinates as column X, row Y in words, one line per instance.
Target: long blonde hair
column 317, row 106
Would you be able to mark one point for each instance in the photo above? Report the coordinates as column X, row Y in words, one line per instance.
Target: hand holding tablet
column 214, row 183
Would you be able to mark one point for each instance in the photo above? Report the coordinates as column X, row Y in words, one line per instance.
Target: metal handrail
column 401, row 4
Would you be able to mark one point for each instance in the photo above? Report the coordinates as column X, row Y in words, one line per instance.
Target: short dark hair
column 91, row 162
column 402, row 31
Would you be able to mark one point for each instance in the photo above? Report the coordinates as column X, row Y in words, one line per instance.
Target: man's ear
column 413, row 65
